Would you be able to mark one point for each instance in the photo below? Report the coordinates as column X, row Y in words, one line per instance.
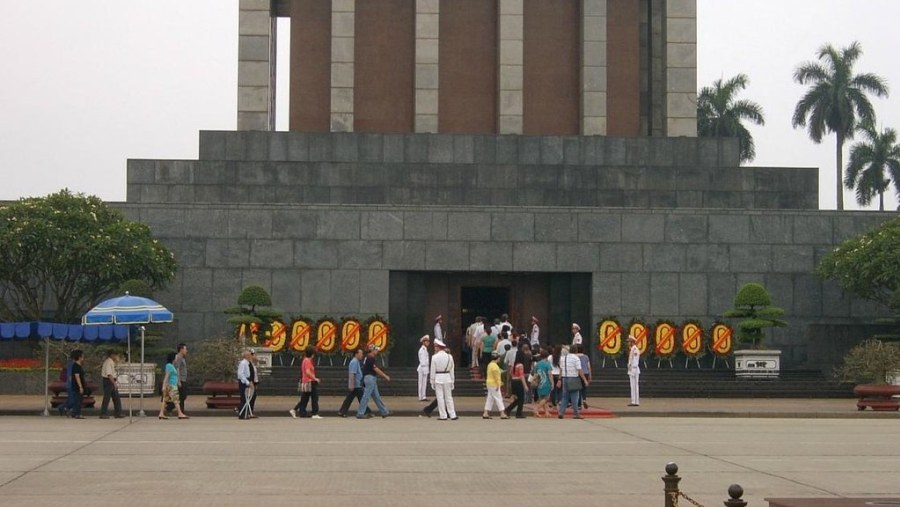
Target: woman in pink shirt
column 309, row 386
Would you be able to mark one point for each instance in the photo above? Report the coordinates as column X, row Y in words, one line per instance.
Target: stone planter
column 879, row 397
column 757, row 364
column 221, row 394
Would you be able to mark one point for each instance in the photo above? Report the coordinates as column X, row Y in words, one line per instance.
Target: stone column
column 256, row 66
column 681, row 68
column 427, row 36
column 343, row 29
column 593, row 71
column 511, row 65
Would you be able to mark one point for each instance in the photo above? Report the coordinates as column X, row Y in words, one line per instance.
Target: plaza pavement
column 791, row 448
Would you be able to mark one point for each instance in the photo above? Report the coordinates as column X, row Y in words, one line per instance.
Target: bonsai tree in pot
column 754, row 305
column 871, row 365
column 254, row 309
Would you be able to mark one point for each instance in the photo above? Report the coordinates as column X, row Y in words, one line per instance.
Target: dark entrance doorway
column 417, row 297
column 487, row 302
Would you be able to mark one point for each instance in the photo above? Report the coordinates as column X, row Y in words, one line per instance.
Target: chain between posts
column 671, row 480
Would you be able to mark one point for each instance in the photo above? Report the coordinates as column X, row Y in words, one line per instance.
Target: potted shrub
column 215, row 362
column 753, row 305
column 870, row 365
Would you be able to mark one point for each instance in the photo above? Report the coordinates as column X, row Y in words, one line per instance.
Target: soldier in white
column 634, row 370
column 423, row 369
column 576, row 334
column 442, row 379
column 438, row 329
column 535, row 334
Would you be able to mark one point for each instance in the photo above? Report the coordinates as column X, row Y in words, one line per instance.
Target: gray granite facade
column 283, row 210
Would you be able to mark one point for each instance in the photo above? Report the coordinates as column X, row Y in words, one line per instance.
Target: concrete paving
column 411, row 461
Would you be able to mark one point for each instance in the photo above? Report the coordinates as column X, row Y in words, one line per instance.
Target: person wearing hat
column 438, row 328
column 634, row 370
column 576, row 334
column 423, row 368
column 493, row 381
column 443, row 378
column 535, row 338
column 245, row 376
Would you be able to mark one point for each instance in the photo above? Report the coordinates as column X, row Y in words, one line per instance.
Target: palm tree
column 870, row 160
column 720, row 115
column 836, row 100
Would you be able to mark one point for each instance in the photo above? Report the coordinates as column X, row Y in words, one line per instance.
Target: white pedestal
column 264, row 360
column 757, row 364
column 131, row 378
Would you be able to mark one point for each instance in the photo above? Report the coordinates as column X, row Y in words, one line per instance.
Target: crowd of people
column 517, row 370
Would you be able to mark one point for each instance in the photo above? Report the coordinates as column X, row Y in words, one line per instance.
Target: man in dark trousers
column 354, row 383
column 110, row 386
column 79, row 387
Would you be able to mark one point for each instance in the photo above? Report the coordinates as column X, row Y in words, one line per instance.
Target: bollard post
column 735, row 491
column 671, row 481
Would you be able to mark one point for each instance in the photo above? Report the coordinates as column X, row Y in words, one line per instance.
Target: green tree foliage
column 868, row 265
column 753, row 304
column 871, row 361
column 64, row 252
column 720, row 114
column 874, row 163
column 254, row 307
column 215, row 360
column 836, row 101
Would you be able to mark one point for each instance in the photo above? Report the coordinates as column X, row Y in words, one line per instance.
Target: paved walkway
column 269, row 406
column 411, row 462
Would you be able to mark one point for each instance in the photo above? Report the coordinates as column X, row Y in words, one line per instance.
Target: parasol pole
column 130, row 380
column 142, row 377
column 46, row 377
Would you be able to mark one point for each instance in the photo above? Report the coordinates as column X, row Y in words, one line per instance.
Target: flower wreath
column 609, row 337
column 691, row 339
column 721, row 339
column 326, row 333
column 642, row 332
column 303, row 332
column 378, row 333
column 351, row 335
column 665, row 334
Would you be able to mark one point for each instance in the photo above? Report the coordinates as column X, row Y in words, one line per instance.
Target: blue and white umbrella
column 130, row 310
column 127, row 309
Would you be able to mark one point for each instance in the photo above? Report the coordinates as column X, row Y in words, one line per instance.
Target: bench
column 60, row 394
column 222, row 394
column 879, row 397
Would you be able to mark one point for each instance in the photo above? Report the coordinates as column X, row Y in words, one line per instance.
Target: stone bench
column 222, row 394
column 878, row 397
column 60, row 394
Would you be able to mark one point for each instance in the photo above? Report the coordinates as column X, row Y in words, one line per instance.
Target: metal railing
column 673, row 494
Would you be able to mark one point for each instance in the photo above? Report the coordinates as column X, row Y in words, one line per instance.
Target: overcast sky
column 87, row 84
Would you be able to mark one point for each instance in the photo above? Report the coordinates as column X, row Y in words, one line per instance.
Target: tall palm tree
column 719, row 114
column 836, row 100
column 873, row 164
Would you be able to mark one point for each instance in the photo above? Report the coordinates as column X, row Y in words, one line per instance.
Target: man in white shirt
column 504, row 321
column 443, row 378
column 634, row 370
column 245, row 384
column 110, row 386
column 576, row 334
column 423, row 369
column 535, row 340
column 438, row 328
column 571, row 380
column 477, row 334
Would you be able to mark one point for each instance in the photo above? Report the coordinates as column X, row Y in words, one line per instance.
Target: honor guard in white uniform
column 576, row 334
column 438, row 329
column 634, row 370
column 423, row 368
column 535, row 339
column 442, row 379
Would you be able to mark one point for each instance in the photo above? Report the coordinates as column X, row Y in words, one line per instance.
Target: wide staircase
column 661, row 382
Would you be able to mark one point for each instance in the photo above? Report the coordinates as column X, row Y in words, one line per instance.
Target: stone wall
column 423, row 169
column 652, row 263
